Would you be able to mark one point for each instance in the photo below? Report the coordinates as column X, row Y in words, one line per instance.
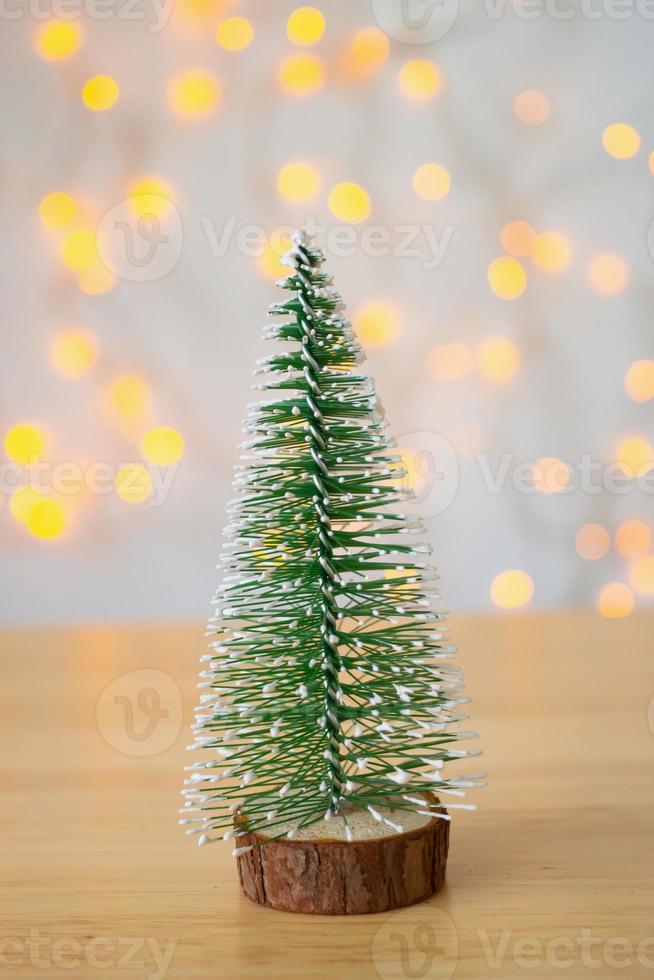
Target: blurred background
column 480, row 178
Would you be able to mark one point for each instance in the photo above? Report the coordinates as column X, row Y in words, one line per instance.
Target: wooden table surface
column 551, row 876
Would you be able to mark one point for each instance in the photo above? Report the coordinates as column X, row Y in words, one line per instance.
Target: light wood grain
column 560, row 851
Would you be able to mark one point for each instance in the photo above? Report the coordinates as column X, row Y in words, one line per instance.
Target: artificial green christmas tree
column 330, row 689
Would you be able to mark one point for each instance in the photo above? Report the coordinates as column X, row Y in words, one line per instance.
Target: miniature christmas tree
column 330, row 688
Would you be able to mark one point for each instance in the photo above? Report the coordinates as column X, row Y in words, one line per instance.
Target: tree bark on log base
column 337, row 877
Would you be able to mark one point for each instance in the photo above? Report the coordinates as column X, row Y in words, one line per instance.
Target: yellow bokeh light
column 551, row 475
column 197, row 13
column 162, row 445
column 100, row 93
column 58, row 39
column 74, row 352
column 506, row 277
column 24, row 443
column 56, row 210
column 431, row 181
column 641, row 574
column 150, row 195
column 22, row 500
column 639, row 381
column 194, row 94
column 79, row 249
column 420, row 79
column 516, row 238
column 133, row 483
column 551, row 251
column 650, row 162
column 269, row 262
column 592, row 542
column 450, row 362
column 633, row 538
column 376, row 324
column 511, row 589
column 531, row 107
column 368, row 51
column 129, row 396
column 46, row 519
column 301, row 74
column 608, row 274
column 498, row 359
column 349, row 202
column 621, row 141
column 234, row 33
column 615, row 600
column 305, row 26
column 635, row 456
column 95, row 280
column 298, row 182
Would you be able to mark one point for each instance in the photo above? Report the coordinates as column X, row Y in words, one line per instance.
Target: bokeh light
column 420, row 79
column 511, row 589
column 25, row 443
column 532, row 107
column 621, row 141
column 608, row 274
column 57, row 40
column 234, row 33
column 498, row 359
column 507, row 277
column 551, row 475
column 194, row 94
column 57, row 210
column 150, row 195
column 639, row 381
column 79, row 248
column 368, row 51
column 269, row 261
column 635, row 456
column 133, row 483
column 633, row 538
column 376, row 324
column 615, row 600
column 22, row 500
column 641, row 574
column 74, row 352
column 96, row 279
column 100, row 93
column 46, row 519
column 301, row 74
column 162, row 445
column 516, row 238
column 129, row 396
column 592, row 542
column 298, row 182
column 349, row 202
column 450, row 362
column 551, row 251
column 431, row 181
column 305, row 26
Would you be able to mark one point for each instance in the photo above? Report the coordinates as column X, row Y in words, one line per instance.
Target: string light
column 532, row 107
column 57, row 40
column 592, row 542
column 298, row 182
column 194, row 94
column 621, row 141
column 46, row 519
column 150, row 195
column 551, row 251
column 608, row 274
column 349, row 202
column 507, row 277
column 269, row 262
column 133, row 483
column 633, row 538
column 641, row 574
column 368, row 51
column 129, row 396
column 639, row 381
column 24, row 443
column 376, row 324
column 100, row 93
column 301, row 74
column 305, row 26
column 234, row 33
column 635, row 456
column 96, row 279
column 57, row 210
column 420, row 79
column 511, row 589
column 79, row 249
column 551, row 475
column 498, row 359
column 74, row 352
column 517, row 237
column 431, row 181
column 450, row 362
column 162, row 446
column 615, row 600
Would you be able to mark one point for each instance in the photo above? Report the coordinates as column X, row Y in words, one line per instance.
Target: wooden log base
column 320, row 872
